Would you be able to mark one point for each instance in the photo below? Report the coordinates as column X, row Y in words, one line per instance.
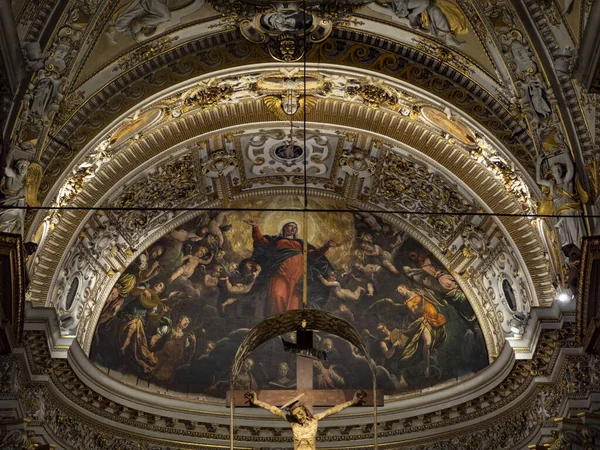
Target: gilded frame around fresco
column 13, row 305
column 588, row 319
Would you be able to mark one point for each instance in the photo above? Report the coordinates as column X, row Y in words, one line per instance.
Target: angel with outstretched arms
column 304, row 423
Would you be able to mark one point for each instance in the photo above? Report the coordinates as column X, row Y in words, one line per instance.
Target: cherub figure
column 304, row 423
column 369, row 271
column 201, row 256
column 337, row 291
column 245, row 281
column 210, row 281
column 216, row 228
column 376, row 252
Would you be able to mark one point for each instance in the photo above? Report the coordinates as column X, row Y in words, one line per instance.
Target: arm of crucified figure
column 253, row 400
column 357, row 399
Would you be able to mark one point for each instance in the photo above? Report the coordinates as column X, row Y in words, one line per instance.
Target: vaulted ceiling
column 143, row 116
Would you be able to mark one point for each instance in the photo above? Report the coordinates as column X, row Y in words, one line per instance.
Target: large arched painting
column 176, row 316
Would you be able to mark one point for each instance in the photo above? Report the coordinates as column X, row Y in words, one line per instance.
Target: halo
column 283, row 222
column 292, row 401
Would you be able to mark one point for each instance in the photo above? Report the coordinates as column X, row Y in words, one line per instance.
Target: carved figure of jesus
column 304, row 423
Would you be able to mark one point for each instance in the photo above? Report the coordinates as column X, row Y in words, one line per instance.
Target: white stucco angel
column 562, row 200
column 142, row 16
column 441, row 17
column 19, row 188
column 539, row 100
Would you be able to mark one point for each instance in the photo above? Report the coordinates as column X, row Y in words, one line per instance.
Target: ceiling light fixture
column 565, row 295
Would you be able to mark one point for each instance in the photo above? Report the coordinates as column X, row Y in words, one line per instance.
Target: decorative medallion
column 443, row 120
column 286, row 28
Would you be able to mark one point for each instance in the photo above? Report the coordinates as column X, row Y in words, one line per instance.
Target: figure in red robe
column 282, row 260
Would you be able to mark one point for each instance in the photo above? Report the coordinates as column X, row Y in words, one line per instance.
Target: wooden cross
column 304, row 380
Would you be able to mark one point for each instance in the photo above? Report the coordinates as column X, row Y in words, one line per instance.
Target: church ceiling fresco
column 177, row 314
column 523, row 86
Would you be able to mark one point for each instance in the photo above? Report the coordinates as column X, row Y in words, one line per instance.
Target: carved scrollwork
column 404, row 184
column 175, row 183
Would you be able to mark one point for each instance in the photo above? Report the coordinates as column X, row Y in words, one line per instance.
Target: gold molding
column 11, row 247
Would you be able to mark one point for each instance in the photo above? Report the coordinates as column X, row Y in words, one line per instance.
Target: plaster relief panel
column 175, row 183
column 280, row 155
column 74, row 292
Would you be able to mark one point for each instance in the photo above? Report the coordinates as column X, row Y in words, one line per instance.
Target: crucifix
column 304, row 383
column 297, row 405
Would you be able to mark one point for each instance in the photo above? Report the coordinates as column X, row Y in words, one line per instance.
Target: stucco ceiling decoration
column 248, row 11
column 284, row 96
column 207, row 62
column 500, row 26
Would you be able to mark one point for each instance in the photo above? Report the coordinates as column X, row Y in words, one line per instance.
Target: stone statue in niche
column 304, row 423
column 562, row 199
column 539, row 101
column 44, row 95
column 141, row 18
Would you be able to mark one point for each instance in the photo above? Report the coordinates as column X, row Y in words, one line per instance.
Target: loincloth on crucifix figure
column 304, row 423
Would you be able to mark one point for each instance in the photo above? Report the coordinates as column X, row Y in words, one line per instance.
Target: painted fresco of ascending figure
column 304, row 423
column 282, row 262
